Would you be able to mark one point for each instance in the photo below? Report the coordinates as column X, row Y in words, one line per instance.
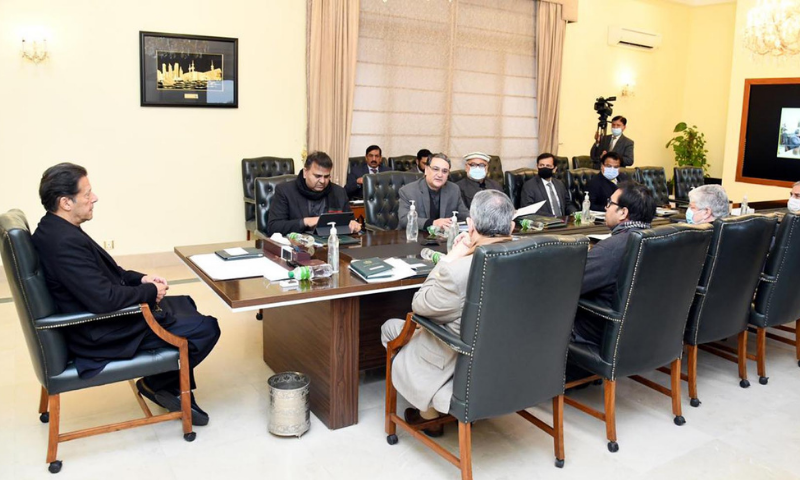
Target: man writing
column 477, row 165
column 434, row 197
column 544, row 187
column 297, row 205
column 82, row 277
column 616, row 142
column 373, row 164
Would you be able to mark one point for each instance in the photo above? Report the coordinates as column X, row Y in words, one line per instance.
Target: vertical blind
column 452, row 77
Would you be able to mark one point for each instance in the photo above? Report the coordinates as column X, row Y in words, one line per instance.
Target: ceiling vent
column 628, row 37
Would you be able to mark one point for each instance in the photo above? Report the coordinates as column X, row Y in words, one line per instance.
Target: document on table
column 529, row 210
column 218, row 269
column 400, row 270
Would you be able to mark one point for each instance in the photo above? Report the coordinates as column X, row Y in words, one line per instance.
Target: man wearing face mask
column 616, row 142
column 477, row 165
column 544, row 186
column 794, row 199
column 601, row 187
column 706, row 204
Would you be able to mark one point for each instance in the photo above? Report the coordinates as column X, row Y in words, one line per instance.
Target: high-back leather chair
column 582, row 161
column 457, row 175
column 721, row 306
column 515, row 179
column 655, row 180
column 579, row 178
column 562, row 163
column 777, row 301
column 404, row 163
column 512, row 351
column 382, row 198
column 253, row 168
column 644, row 326
column 43, row 327
column 495, row 169
column 685, row 179
column 265, row 190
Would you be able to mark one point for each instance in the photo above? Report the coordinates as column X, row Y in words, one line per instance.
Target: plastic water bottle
column 743, row 209
column 333, row 249
column 302, row 240
column 314, row 271
column 430, row 255
column 586, row 212
column 452, row 232
column 412, row 226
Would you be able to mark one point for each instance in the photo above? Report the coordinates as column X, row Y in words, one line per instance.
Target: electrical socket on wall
column 108, row 244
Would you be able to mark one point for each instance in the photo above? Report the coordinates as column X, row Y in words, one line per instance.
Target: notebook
column 371, row 268
column 239, row 253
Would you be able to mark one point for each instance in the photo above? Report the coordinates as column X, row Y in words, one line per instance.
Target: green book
column 371, row 268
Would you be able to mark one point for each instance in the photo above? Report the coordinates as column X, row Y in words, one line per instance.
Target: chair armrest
column 250, row 200
column 258, row 234
column 600, row 311
column 449, row 338
column 375, row 228
column 68, row 319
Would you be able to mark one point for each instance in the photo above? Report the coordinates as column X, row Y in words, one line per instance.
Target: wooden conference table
column 330, row 329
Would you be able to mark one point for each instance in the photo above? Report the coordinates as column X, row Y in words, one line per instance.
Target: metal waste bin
column 288, row 404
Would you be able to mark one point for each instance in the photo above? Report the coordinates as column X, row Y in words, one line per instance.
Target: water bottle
column 452, row 232
column 586, row 212
column 302, row 240
column 743, row 209
column 430, row 255
column 412, row 226
column 314, row 271
column 333, row 249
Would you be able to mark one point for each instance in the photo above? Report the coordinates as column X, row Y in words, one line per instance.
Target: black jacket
column 600, row 190
column 289, row 207
column 533, row 191
column 354, row 190
column 470, row 187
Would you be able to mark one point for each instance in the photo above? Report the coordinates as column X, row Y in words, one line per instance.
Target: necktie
column 555, row 206
column 613, row 142
column 373, row 170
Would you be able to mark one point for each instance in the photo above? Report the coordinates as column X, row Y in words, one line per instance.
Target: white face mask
column 477, row 173
column 610, row 172
column 794, row 205
column 616, row 132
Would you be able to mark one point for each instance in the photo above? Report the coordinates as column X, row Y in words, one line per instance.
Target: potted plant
column 689, row 147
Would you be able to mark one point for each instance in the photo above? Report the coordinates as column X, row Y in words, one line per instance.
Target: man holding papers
column 425, row 366
column 545, row 187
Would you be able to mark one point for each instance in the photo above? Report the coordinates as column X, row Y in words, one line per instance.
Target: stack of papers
column 218, row 269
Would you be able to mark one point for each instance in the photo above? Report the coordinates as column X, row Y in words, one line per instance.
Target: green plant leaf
column 680, row 127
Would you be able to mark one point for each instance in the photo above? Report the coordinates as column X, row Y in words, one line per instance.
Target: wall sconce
column 35, row 51
column 627, row 90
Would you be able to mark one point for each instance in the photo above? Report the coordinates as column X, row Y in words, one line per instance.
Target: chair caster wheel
column 679, row 420
column 744, row 383
column 189, row 437
column 55, row 467
column 391, row 439
column 763, row 380
column 259, row 316
column 45, row 417
column 613, row 447
column 695, row 402
column 559, row 463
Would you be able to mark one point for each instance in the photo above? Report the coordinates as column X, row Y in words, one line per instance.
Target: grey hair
column 796, row 184
column 442, row 156
column 712, row 197
column 491, row 212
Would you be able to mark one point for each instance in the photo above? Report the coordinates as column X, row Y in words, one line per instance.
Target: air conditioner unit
column 628, row 37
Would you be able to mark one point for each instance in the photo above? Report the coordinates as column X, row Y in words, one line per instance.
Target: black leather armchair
column 724, row 294
column 562, row 163
column 582, row 161
column 578, row 179
column 458, row 175
column 777, row 301
column 655, row 180
column 43, row 327
column 685, row 179
column 512, row 351
column 404, row 163
column 644, row 326
column 382, row 198
column 515, row 179
column 265, row 190
column 253, row 168
column 495, row 169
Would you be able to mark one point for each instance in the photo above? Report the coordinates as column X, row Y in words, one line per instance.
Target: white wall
column 165, row 176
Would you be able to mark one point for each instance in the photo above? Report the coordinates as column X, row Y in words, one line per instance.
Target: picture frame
column 178, row 70
column 769, row 138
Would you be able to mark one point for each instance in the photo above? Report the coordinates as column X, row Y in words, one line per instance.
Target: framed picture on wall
column 769, row 140
column 188, row 70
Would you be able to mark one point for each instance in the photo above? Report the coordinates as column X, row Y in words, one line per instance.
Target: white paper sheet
column 529, row 210
column 599, row 236
column 218, row 269
column 236, row 251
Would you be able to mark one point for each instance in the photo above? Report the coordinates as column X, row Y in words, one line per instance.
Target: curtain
column 332, row 48
column 550, row 28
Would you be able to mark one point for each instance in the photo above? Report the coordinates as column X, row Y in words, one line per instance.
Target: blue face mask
column 477, row 173
column 610, row 172
column 689, row 216
column 616, row 132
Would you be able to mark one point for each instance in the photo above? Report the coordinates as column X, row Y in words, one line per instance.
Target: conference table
column 329, row 329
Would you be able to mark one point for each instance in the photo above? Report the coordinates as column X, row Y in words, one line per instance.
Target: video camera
column 604, row 109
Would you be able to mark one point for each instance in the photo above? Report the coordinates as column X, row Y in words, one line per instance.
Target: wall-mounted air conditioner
column 628, row 37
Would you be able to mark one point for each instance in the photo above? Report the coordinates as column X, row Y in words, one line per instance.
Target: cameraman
column 616, row 142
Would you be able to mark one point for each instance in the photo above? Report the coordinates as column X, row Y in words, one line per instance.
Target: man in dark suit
column 616, row 142
column 297, row 205
column 82, row 277
column 477, row 165
column 423, row 157
column 373, row 164
column 601, row 187
column 630, row 208
column 434, row 197
column 545, row 187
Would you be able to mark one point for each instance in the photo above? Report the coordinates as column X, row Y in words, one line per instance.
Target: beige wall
column 165, row 176
column 746, row 65
column 686, row 79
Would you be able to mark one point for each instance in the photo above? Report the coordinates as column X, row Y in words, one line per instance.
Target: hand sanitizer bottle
column 412, row 226
column 586, row 212
column 333, row 249
column 452, row 232
column 743, row 209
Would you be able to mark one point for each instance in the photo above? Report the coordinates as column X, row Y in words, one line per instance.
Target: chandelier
column 773, row 28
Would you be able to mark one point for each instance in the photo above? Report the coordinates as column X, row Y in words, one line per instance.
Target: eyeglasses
column 443, row 171
column 609, row 203
column 476, row 165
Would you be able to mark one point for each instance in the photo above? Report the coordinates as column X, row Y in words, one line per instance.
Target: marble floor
column 736, row 433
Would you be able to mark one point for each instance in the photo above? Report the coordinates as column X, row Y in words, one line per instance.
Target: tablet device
column 342, row 220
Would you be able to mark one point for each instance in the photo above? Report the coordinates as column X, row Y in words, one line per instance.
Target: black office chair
column 495, row 170
column 579, row 178
column 43, row 328
column 512, row 351
column 645, row 324
column 685, row 179
column 582, row 161
column 655, row 180
column 562, row 163
column 382, row 198
column 253, row 168
column 777, row 301
column 515, row 179
column 457, row 175
column 404, row 163
column 724, row 294
column 265, row 190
